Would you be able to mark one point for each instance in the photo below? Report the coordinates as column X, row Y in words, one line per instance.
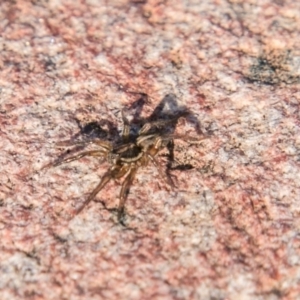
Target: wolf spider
column 134, row 151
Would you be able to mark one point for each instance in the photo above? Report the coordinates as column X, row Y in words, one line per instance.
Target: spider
column 127, row 156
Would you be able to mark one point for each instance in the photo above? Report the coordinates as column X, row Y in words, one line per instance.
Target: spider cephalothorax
column 127, row 155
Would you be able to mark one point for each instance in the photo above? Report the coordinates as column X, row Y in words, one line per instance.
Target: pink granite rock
column 230, row 229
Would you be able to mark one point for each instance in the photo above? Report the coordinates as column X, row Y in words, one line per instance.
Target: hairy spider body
column 126, row 157
column 125, row 160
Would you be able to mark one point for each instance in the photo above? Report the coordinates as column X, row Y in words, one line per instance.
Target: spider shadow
column 162, row 122
column 167, row 112
column 87, row 134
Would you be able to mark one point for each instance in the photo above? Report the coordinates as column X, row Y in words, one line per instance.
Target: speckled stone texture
column 230, row 228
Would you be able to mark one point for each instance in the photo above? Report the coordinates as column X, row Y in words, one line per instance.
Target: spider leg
column 114, row 172
column 167, row 179
column 170, row 147
column 75, row 157
column 104, row 144
column 123, row 148
column 126, row 127
column 187, row 138
column 125, row 191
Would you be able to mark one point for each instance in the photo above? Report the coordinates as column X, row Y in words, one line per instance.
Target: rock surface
column 230, row 229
